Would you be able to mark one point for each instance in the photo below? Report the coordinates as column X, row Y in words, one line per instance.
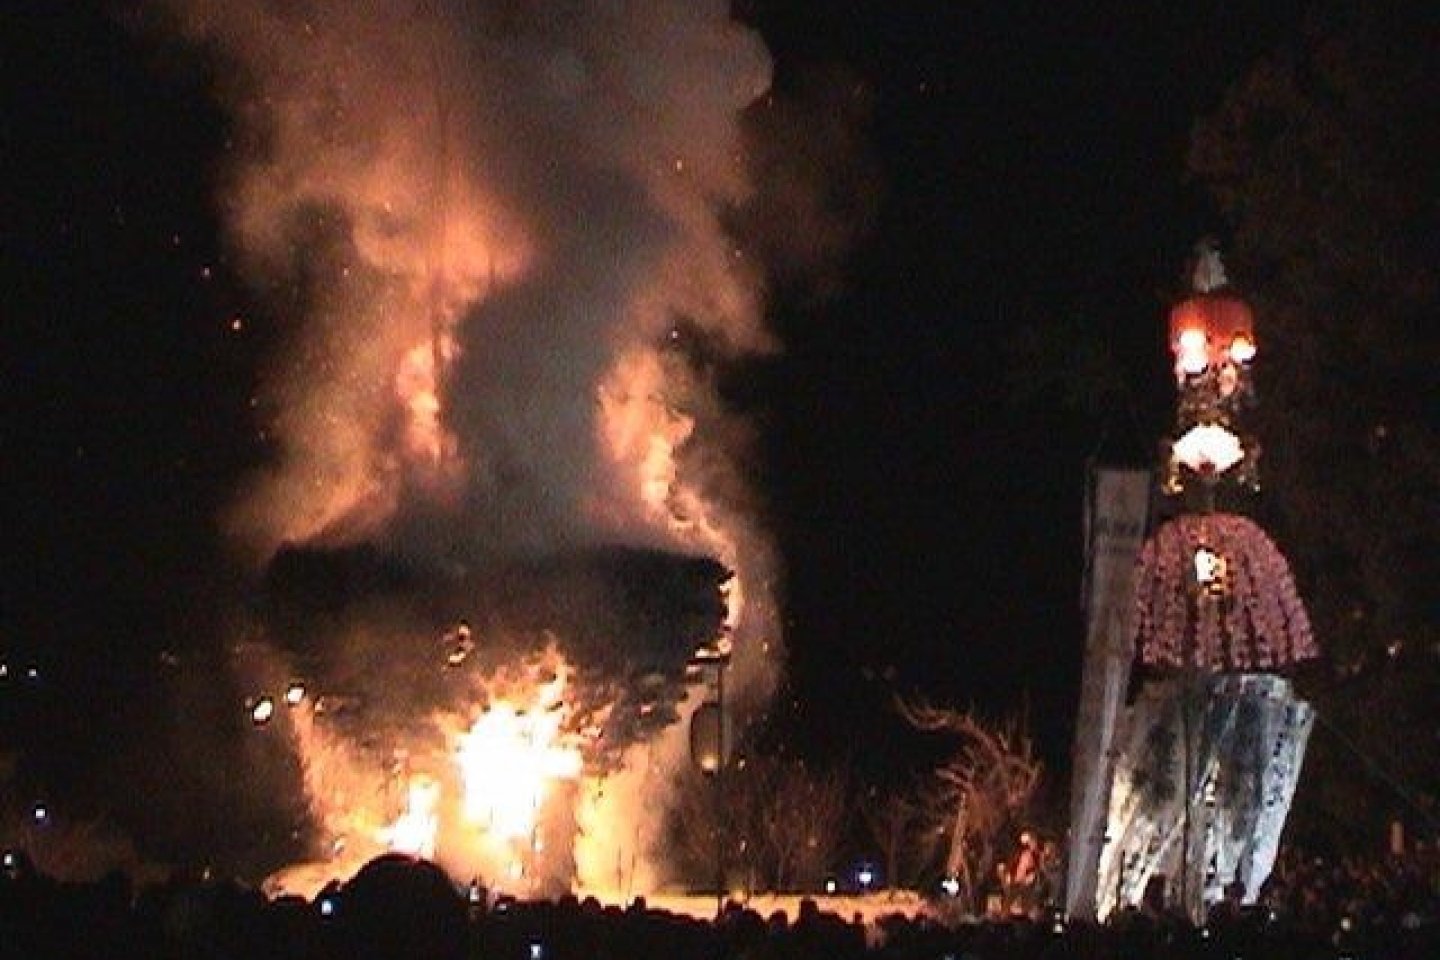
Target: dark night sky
column 1027, row 161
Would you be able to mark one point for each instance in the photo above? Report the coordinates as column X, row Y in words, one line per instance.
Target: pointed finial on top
column 1209, row 273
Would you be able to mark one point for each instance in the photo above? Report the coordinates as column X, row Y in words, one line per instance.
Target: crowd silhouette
column 399, row 908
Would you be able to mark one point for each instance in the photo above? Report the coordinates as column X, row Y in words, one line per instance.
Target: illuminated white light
column 530, row 747
column 1208, row 448
column 1242, row 349
column 41, row 813
column 951, row 886
column 830, row 886
column 413, row 832
column 866, row 876
column 1192, row 353
column 1209, row 566
column 295, row 693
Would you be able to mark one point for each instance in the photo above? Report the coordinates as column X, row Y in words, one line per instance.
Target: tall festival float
column 1191, row 736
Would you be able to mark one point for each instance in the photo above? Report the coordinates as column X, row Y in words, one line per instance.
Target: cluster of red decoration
column 1251, row 621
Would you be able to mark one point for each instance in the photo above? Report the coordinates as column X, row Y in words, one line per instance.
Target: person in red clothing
column 1024, row 876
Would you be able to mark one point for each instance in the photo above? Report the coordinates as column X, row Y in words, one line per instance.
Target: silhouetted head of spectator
column 1152, row 901
column 401, row 908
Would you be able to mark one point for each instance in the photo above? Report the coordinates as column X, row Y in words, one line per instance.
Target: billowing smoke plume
column 502, row 220
column 495, row 228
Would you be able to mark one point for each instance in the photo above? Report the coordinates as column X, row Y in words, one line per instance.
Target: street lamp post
column 710, row 749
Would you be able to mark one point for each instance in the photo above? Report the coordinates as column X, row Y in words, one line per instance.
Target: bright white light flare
column 510, row 759
column 262, row 711
column 1242, row 349
column 414, row 831
column 1208, row 448
column 1192, row 352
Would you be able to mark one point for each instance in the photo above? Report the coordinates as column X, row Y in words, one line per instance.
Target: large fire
column 496, row 240
column 489, row 797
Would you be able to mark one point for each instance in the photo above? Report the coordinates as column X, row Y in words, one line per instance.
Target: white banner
column 1116, row 514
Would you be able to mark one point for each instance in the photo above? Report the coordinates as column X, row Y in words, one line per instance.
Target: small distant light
column 866, row 876
column 1205, row 933
column 951, row 886
column 830, row 886
column 41, row 813
column 32, row 673
column 262, row 711
column 475, row 894
column 11, row 861
column 327, row 906
column 1346, row 924
column 295, row 693
column 537, row 951
column 4, row 670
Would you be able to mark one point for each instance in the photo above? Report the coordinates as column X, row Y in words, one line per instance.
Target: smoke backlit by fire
column 494, row 234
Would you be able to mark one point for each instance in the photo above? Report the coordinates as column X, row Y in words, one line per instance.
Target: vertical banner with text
column 1116, row 515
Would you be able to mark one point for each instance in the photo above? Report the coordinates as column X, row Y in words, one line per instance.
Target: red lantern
column 1209, row 330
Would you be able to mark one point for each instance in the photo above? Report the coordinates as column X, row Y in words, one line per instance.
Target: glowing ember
column 262, row 710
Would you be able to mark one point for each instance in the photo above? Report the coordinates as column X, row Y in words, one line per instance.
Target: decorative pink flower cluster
column 1248, row 617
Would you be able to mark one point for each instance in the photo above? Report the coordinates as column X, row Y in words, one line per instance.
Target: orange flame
column 509, row 760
